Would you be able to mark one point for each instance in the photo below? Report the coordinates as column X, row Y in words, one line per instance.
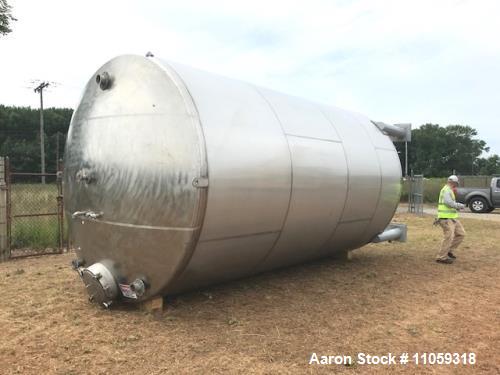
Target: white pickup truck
column 481, row 200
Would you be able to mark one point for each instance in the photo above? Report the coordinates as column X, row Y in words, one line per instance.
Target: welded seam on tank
column 348, row 178
column 181, row 86
column 385, row 149
column 399, row 197
column 241, row 236
column 179, row 229
column 134, row 115
column 354, row 220
column 203, row 194
column 314, row 138
column 183, row 90
column 380, row 181
column 264, row 258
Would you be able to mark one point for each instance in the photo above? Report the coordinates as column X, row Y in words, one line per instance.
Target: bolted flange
column 100, row 284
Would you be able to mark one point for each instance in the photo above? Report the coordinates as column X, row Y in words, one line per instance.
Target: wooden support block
column 154, row 305
column 342, row 255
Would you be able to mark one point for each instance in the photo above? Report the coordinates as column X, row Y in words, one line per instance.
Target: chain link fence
column 35, row 222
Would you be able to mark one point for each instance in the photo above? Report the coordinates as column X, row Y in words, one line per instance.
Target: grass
column 387, row 298
column 34, row 232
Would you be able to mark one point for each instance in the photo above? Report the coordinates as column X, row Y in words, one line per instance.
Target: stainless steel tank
column 176, row 178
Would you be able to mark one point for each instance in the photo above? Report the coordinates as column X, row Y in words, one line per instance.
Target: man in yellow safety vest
column 447, row 219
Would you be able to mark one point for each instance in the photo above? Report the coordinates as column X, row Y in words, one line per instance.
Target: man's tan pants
column 454, row 234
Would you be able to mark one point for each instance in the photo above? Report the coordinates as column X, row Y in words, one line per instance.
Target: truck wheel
column 478, row 205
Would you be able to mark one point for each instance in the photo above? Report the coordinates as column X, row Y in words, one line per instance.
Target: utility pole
column 57, row 149
column 39, row 89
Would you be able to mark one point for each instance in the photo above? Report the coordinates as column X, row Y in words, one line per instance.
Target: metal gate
column 35, row 218
column 416, row 194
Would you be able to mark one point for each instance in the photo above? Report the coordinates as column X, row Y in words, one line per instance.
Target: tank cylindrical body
column 181, row 178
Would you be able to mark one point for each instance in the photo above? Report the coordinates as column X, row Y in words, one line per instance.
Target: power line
column 39, row 89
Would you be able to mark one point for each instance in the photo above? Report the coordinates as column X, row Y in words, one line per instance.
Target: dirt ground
column 387, row 298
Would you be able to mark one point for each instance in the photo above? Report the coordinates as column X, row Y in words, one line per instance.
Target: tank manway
column 176, row 178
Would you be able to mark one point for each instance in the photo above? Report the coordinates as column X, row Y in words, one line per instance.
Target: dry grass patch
column 388, row 298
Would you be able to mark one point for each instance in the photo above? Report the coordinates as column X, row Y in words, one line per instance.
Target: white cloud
column 397, row 61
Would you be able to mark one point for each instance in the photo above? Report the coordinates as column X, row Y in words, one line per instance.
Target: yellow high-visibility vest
column 445, row 212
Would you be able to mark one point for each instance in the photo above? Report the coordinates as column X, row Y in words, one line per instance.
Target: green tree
column 488, row 166
column 6, row 17
column 463, row 147
column 437, row 151
column 20, row 136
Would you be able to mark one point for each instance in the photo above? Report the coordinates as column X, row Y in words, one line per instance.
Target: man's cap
column 453, row 178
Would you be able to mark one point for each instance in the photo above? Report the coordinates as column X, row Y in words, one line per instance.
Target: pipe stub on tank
column 103, row 80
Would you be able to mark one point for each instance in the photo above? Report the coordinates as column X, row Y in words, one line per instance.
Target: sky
column 394, row 61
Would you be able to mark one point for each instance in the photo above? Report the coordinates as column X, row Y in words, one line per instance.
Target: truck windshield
column 498, row 183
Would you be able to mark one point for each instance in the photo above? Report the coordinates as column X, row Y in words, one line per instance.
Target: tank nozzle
column 103, row 80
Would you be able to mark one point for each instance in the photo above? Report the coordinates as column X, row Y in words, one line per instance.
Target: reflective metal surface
column 182, row 178
column 100, row 284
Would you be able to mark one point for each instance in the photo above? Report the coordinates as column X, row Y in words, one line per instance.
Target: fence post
column 4, row 247
column 60, row 205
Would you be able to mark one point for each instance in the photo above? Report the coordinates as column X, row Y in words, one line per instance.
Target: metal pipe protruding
column 399, row 132
column 139, row 287
column 394, row 232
